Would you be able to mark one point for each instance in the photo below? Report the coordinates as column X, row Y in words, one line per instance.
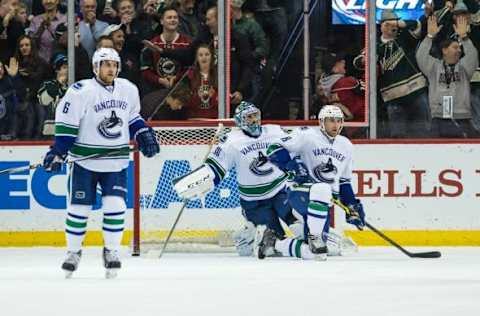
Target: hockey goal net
column 206, row 224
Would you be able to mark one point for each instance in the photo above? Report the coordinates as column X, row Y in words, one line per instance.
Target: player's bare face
column 108, row 71
column 333, row 126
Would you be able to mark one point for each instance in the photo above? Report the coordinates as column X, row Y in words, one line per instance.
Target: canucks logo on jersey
column 325, row 172
column 111, row 127
column 259, row 162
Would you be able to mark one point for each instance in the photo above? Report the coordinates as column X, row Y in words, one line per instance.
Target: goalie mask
column 103, row 54
column 330, row 112
column 248, row 118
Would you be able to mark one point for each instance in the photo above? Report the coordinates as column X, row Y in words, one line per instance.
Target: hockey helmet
column 248, row 118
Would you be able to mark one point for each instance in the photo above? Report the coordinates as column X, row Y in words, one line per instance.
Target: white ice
column 374, row 281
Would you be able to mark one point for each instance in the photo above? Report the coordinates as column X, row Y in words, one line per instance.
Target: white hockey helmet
column 103, row 54
column 329, row 111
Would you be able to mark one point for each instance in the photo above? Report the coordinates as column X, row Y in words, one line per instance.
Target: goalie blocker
column 195, row 184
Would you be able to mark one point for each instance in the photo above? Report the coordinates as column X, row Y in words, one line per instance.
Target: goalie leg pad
column 244, row 239
column 195, row 184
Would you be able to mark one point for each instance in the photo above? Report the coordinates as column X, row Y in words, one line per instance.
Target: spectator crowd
column 428, row 69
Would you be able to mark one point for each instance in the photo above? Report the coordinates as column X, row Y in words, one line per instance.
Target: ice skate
column 318, row 247
column 265, row 242
column 71, row 263
column 112, row 263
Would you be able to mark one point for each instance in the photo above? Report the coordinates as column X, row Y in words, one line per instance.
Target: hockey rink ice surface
column 374, row 281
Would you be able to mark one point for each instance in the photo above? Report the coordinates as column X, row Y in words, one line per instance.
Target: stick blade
column 429, row 254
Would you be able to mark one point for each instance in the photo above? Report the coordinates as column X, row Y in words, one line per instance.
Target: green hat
column 388, row 15
column 460, row 8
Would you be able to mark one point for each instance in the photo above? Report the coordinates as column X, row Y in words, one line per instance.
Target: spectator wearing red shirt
column 339, row 88
column 204, row 85
column 157, row 71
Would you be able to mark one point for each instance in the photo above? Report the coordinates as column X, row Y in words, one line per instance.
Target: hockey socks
column 76, row 226
column 317, row 214
column 113, row 221
column 291, row 247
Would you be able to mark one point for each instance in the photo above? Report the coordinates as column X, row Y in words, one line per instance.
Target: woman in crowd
column 203, row 83
column 33, row 71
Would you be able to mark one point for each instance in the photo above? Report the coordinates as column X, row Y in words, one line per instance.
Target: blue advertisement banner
column 353, row 11
column 16, row 195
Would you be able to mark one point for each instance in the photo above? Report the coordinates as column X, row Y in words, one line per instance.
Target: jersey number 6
column 65, row 107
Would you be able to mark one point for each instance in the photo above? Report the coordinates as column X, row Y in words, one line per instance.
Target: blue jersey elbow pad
column 135, row 125
column 346, row 194
column 63, row 143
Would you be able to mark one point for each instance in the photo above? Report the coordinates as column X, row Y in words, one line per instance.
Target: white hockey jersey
column 99, row 118
column 326, row 161
column 257, row 178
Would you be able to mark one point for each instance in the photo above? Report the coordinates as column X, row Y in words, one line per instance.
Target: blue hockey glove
column 298, row 171
column 356, row 216
column 147, row 143
column 53, row 160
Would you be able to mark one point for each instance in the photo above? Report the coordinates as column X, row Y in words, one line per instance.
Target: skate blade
column 111, row 273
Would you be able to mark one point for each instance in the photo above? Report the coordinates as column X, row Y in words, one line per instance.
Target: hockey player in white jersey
column 321, row 162
column 97, row 117
column 261, row 184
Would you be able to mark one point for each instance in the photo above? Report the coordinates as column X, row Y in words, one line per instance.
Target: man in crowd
column 402, row 85
column 90, row 27
column 449, row 80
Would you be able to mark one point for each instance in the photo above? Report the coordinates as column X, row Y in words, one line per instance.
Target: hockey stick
column 99, row 155
column 184, row 203
column 428, row 254
column 38, row 165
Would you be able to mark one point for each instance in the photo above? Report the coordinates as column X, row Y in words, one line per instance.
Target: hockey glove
column 147, row 143
column 356, row 215
column 298, row 171
column 53, row 160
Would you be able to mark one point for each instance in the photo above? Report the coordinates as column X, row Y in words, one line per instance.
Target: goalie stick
column 184, row 203
column 428, row 254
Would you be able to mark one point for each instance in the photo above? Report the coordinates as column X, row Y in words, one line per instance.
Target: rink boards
column 420, row 193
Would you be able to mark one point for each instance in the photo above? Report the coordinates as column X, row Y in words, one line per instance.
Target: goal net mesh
column 207, row 223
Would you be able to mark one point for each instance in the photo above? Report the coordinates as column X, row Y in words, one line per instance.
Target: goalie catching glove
column 195, row 184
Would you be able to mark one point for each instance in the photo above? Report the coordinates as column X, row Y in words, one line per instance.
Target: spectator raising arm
column 424, row 59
